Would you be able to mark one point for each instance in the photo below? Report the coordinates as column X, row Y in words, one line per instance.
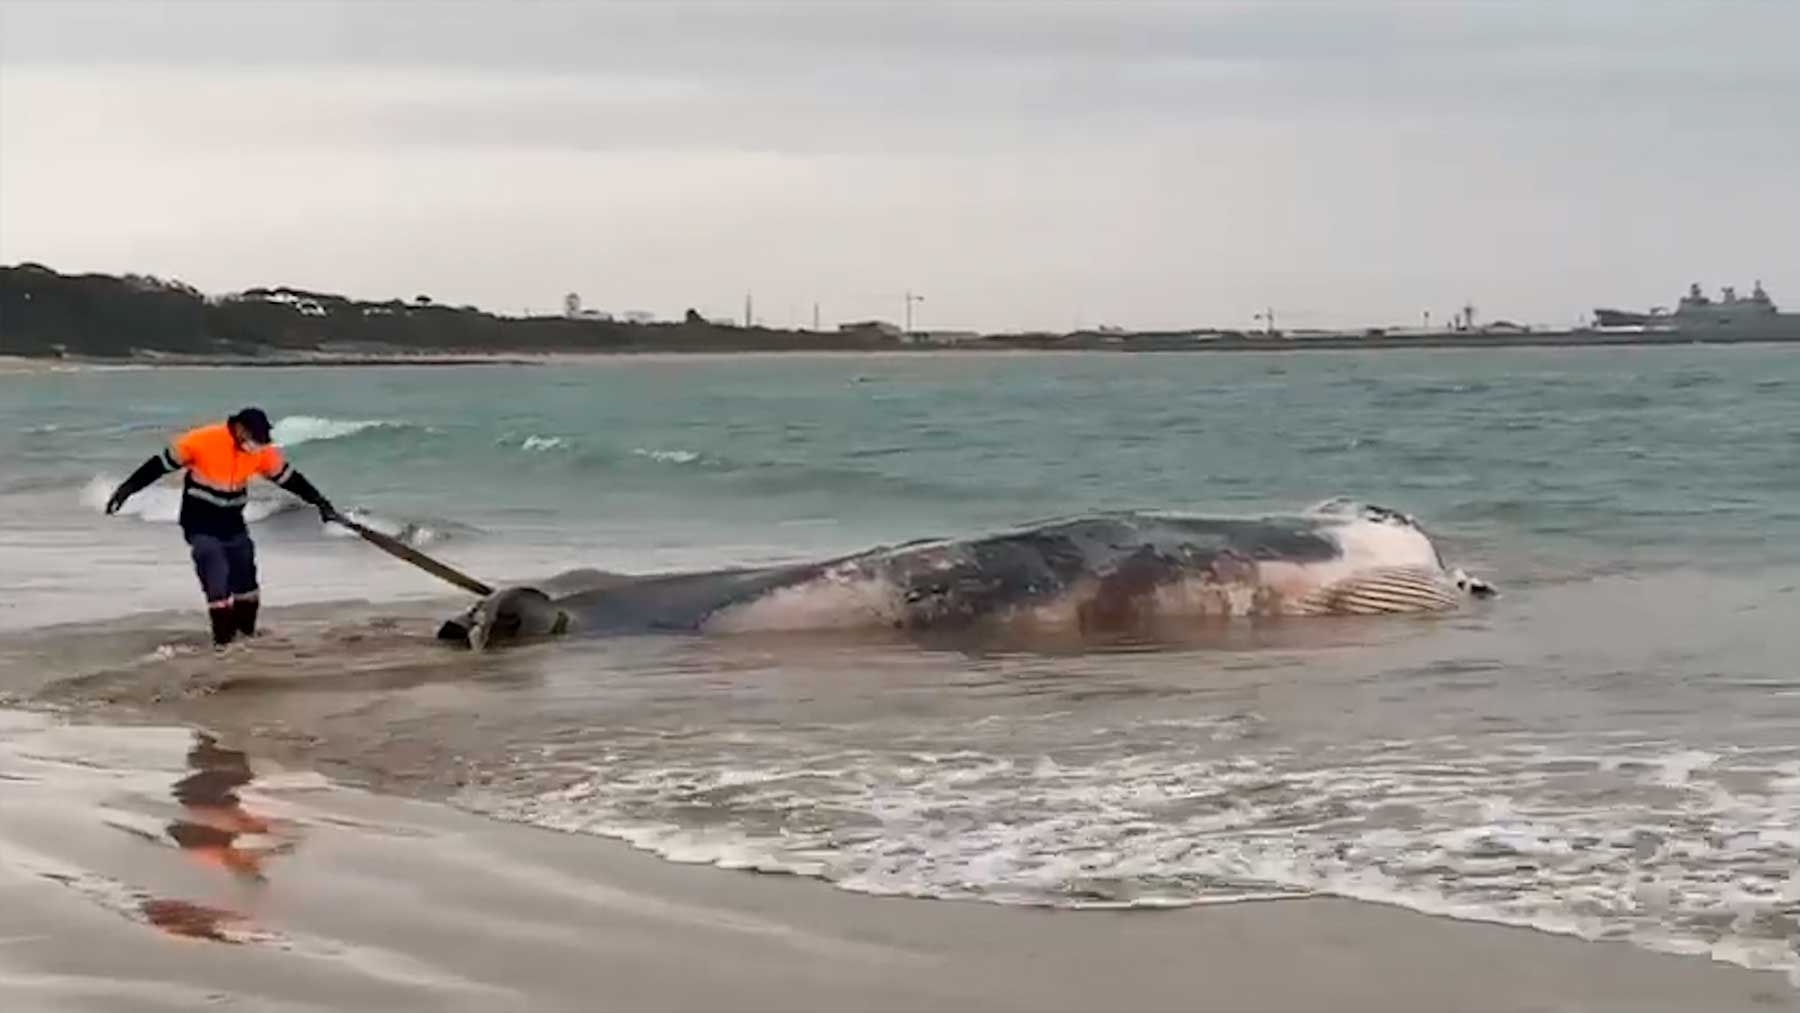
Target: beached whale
column 1109, row 573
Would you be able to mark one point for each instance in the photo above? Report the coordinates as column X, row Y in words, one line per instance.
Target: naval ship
column 1731, row 317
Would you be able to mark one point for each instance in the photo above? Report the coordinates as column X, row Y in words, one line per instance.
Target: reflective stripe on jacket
column 218, row 472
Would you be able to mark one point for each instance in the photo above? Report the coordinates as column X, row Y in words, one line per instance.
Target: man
column 220, row 459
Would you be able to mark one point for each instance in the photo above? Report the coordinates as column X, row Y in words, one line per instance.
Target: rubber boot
column 224, row 625
column 244, row 611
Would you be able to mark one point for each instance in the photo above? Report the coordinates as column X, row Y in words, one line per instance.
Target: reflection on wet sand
column 212, row 829
column 216, row 817
column 184, row 918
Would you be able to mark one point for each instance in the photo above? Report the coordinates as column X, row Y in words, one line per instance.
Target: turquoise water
column 1540, row 459
column 1607, row 750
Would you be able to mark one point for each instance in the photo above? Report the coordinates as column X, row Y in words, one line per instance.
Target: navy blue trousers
column 226, row 566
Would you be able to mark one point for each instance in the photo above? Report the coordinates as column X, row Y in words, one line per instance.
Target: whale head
column 1387, row 562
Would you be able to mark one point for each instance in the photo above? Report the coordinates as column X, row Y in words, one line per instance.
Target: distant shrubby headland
column 45, row 313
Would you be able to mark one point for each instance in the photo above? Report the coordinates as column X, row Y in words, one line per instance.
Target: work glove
column 115, row 501
column 327, row 512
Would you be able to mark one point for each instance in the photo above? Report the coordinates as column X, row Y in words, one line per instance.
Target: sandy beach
column 309, row 895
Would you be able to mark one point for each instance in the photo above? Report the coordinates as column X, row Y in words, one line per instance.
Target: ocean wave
column 292, row 430
column 1515, row 839
column 533, row 443
column 161, row 504
column 414, row 533
column 666, row 456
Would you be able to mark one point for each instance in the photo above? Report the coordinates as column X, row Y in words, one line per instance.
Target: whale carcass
column 1110, row 572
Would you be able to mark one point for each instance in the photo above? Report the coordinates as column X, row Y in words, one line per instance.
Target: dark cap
column 254, row 422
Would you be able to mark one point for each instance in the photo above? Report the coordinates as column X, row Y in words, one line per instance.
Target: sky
column 1018, row 165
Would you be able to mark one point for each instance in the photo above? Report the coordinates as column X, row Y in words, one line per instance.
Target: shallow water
column 1606, row 750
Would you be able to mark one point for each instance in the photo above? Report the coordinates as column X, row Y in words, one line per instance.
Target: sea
column 1610, row 749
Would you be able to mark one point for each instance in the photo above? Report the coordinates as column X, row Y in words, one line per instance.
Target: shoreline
column 988, row 347
column 381, row 892
column 362, row 900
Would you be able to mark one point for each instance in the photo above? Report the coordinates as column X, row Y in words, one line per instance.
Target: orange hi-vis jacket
column 218, row 475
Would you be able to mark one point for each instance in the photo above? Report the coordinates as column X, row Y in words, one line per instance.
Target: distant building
column 638, row 317
column 881, row 327
column 304, row 304
column 573, row 310
column 940, row 337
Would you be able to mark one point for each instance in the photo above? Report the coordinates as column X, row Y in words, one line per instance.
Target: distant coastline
column 289, row 360
column 146, row 321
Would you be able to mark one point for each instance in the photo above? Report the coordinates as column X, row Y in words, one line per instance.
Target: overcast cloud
column 1020, row 164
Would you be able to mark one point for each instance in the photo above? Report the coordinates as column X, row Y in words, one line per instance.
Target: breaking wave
column 1504, row 838
column 667, row 456
column 161, row 504
column 296, row 429
column 412, row 533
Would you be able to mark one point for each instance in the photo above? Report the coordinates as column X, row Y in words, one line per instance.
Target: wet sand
column 146, row 868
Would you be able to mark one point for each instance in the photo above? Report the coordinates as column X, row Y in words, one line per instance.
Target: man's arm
column 151, row 470
column 297, row 484
column 289, row 478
